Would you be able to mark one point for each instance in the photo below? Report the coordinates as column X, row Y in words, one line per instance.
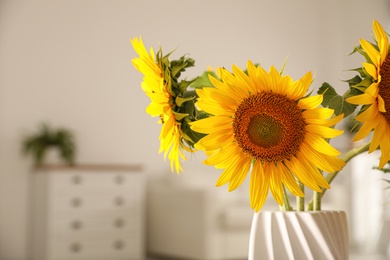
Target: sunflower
column 262, row 122
column 157, row 86
column 375, row 113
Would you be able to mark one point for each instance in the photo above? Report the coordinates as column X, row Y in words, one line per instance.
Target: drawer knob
column 119, row 179
column 76, row 202
column 119, row 244
column 75, row 247
column 76, row 224
column 119, row 223
column 119, row 201
column 76, row 179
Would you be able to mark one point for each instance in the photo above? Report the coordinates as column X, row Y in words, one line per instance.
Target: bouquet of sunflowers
column 265, row 123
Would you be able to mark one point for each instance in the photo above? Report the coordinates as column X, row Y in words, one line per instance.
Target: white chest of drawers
column 88, row 212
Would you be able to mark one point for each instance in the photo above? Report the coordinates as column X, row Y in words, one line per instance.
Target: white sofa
column 189, row 218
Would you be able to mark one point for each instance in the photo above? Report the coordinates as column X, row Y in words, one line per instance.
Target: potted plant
column 47, row 138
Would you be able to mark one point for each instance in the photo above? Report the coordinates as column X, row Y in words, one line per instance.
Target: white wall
column 68, row 62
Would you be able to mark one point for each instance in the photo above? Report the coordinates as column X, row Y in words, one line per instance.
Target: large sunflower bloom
column 157, row 88
column 262, row 121
column 376, row 97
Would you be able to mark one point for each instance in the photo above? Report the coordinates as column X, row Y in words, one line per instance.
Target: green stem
column 331, row 176
column 317, row 196
column 286, row 200
column 301, row 200
column 346, row 158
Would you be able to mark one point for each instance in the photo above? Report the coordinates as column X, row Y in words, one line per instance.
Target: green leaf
column 203, row 80
column 179, row 100
column 202, row 115
column 363, row 85
column 354, row 81
column 183, row 85
column 335, row 101
column 178, row 66
column 179, row 116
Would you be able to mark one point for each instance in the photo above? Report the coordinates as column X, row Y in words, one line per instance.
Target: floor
column 352, row 257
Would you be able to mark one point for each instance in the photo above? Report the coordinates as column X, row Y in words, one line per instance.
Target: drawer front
column 79, row 179
column 85, row 200
column 90, row 228
column 94, row 191
column 61, row 215
column 109, row 249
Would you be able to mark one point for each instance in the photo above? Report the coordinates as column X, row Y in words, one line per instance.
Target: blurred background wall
column 68, row 63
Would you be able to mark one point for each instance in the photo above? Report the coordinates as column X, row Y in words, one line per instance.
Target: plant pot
column 299, row 235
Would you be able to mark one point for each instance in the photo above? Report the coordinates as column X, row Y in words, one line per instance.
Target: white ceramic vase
column 299, row 235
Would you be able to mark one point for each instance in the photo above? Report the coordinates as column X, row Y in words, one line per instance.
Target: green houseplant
column 38, row 144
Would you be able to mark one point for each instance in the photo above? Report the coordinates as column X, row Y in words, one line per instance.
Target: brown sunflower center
column 265, row 130
column 269, row 127
column 384, row 86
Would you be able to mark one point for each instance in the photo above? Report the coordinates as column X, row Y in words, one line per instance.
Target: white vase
column 299, row 235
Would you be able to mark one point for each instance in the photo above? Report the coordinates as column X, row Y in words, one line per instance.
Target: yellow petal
column 224, row 178
column 261, row 80
column 214, row 108
column 244, row 79
column 252, row 73
column 382, row 39
column 371, row 70
column 302, row 173
column 241, row 169
column 275, row 184
column 365, row 129
column 371, row 52
column 313, row 170
column 363, row 99
column 274, row 77
column 323, row 131
column 215, row 140
column 222, row 157
column 239, row 90
column 378, row 135
column 369, row 114
column 381, row 104
column 385, row 147
column 318, row 113
column 154, row 109
column 289, row 181
column 325, row 122
column 318, row 159
column 301, row 86
column 232, row 171
column 372, row 90
column 334, row 120
column 259, row 186
column 211, row 124
column 321, row 145
column 310, row 102
column 285, row 86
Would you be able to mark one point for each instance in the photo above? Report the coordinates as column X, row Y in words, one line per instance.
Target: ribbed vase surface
column 291, row 235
